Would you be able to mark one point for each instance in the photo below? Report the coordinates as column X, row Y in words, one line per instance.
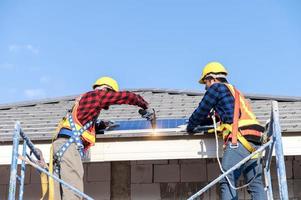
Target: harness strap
column 50, row 179
column 235, row 118
column 236, row 135
column 75, row 138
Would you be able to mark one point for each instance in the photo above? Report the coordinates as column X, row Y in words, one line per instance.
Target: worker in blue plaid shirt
column 220, row 96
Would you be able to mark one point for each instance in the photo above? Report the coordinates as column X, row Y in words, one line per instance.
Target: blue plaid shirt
column 218, row 97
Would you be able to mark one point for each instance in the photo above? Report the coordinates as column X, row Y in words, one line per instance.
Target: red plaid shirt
column 91, row 103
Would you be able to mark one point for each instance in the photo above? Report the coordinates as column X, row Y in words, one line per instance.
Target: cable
column 219, row 162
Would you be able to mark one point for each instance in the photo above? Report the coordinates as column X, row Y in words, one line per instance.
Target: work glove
column 110, row 124
column 147, row 113
column 104, row 125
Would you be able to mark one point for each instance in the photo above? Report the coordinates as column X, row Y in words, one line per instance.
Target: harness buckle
column 234, row 146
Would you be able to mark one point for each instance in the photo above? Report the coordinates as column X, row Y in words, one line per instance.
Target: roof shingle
column 39, row 118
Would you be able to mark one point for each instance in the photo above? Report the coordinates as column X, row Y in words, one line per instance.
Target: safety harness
column 242, row 119
column 75, row 138
column 236, row 135
column 243, row 116
column 79, row 133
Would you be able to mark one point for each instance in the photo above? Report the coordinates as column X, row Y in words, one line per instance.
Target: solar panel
column 139, row 126
column 144, row 124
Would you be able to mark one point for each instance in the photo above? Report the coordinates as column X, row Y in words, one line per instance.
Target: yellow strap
column 211, row 130
column 44, row 184
column 240, row 137
column 248, row 146
column 226, row 129
column 245, row 143
column 47, row 183
column 50, row 168
column 50, row 181
column 64, row 123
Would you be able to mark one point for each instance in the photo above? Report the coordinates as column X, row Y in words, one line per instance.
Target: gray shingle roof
column 39, row 118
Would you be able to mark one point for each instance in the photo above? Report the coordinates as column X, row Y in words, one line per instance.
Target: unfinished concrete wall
column 178, row 179
column 165, row 179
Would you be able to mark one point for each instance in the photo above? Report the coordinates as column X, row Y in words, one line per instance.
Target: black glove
column 147, row 114
column 102, row 125
column 190, row 129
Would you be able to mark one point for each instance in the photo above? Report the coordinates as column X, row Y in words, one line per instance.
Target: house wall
column 160, row 179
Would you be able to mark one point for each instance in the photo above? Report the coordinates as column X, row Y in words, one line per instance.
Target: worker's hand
column 147, row 114
column 108, row 123
column 41, row 162
column 102, row 125
column 190, row 129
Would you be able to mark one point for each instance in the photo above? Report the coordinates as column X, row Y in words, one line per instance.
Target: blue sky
column 58, row 48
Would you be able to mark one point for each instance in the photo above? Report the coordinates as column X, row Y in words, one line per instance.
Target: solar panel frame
column 144, row 124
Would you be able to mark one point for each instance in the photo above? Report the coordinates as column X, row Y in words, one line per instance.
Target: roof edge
column 37, row 101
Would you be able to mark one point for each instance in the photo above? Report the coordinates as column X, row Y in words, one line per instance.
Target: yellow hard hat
column 108, row 81
column 214, row 68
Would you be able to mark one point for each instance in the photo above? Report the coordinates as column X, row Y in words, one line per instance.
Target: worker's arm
column 124, row 97
column 200, row 115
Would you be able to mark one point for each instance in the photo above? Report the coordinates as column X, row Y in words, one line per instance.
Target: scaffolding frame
column 275, row 142
column 26, row 158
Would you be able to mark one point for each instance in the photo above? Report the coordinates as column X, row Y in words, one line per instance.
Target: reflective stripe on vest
column 75, row 138
column 80, row 133
column 246, row 118
column 87, row 136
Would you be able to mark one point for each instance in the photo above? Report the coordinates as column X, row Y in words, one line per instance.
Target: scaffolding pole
column 23, row 168
column 280, row 164
column 267, row 171
column 14, row 165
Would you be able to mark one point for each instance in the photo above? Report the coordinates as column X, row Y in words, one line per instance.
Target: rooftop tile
column 39, row 118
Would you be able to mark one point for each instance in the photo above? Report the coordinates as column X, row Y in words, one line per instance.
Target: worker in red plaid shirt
column 76, row 131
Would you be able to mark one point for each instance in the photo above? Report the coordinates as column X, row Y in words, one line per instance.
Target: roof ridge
column 187, row 92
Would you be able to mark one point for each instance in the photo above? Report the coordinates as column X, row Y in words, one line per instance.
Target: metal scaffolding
column 274, row 134
column 26, row 158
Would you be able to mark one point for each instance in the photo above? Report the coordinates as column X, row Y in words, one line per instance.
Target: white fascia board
column 152, row 149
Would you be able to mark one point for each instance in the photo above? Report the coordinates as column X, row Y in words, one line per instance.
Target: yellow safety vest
column 244, row 122
column 87, row 136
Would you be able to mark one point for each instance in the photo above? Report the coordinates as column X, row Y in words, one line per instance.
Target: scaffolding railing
column 275, row 141
column 27, row 158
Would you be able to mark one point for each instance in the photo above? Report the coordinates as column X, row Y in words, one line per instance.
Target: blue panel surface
column 144, row 124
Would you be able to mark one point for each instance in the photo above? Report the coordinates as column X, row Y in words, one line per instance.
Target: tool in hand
column 150, row 115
